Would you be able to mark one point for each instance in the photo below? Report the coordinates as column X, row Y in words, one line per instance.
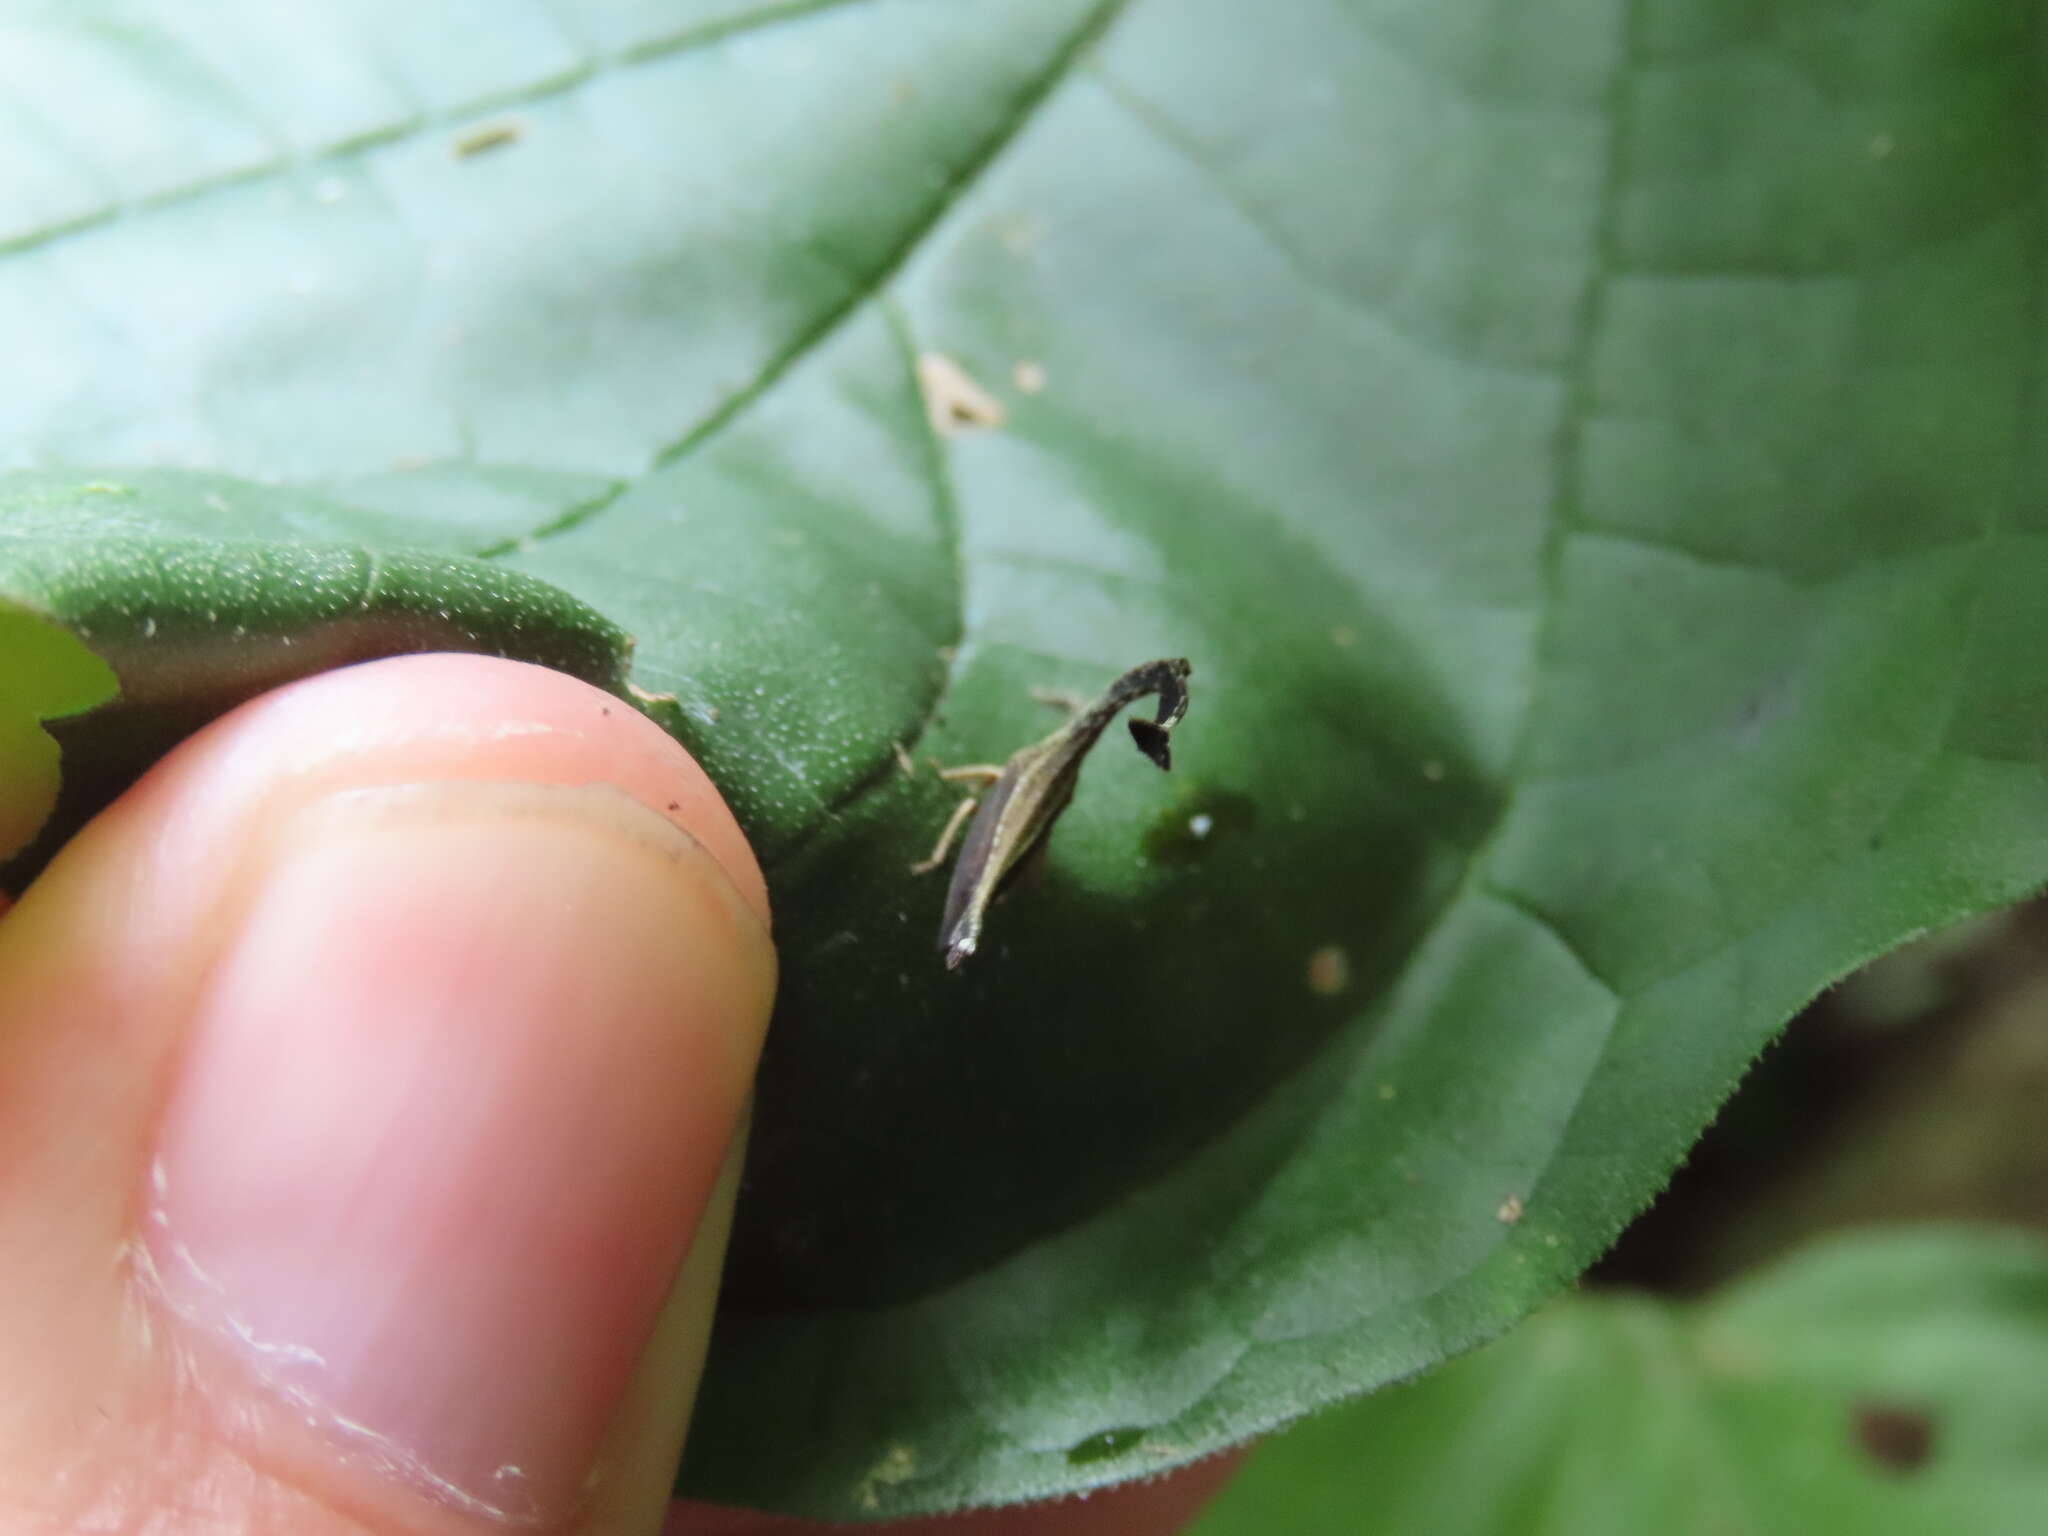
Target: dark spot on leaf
column 1897, row 1438
column 1111, row 1442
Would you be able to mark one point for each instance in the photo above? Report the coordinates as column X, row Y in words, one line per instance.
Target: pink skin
column 283, row 1059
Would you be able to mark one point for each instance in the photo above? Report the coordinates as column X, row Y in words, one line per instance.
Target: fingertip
column 409, row 719
column 471, row 939
column 454, row 1095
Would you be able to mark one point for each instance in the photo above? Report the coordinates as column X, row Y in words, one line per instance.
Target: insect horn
column 1152, row 736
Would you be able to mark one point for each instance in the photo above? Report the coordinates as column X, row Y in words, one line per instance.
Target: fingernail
column 457, row 1087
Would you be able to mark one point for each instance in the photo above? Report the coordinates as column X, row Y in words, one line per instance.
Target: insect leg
column 944, row 846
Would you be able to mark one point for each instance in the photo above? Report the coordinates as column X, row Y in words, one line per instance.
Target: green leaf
column 1585, row 448
column 50, row 673
column 1890, row 1385
column 181, row 596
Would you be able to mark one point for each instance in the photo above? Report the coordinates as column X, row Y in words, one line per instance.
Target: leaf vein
column 945, row 504
column 1370, row 309
column 946, row 508
column 870, row 286
column 1520, row 903
column 559, row 83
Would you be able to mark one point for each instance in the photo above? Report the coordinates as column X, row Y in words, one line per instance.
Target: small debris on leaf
column 1329, row 971
column 953, row 401
column 898, row 1464
column 487, row 136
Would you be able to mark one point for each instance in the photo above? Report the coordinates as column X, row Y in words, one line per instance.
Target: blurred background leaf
column 1884, row 1385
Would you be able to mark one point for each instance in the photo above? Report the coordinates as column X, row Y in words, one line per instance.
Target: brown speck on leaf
column 953, row 401
column 1329, row 971
column 486, row 137
column 1029, row 377
column 1897, row 1438
column 1510, row 1210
